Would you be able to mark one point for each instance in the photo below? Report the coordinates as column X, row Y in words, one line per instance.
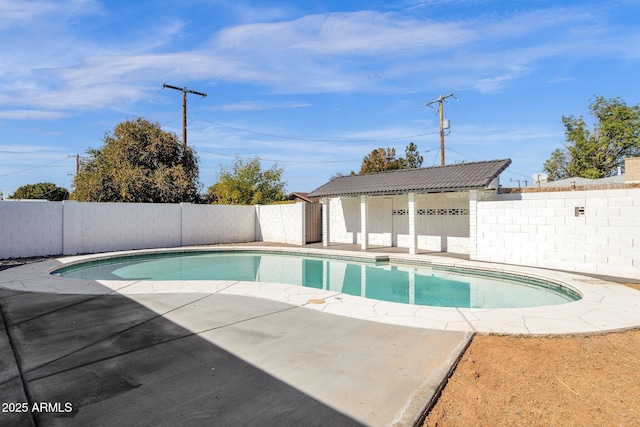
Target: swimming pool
column 401, row 283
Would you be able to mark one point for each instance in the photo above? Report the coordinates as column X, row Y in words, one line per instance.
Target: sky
column 310, row 86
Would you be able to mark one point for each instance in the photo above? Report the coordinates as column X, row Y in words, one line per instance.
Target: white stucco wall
column 542, row 230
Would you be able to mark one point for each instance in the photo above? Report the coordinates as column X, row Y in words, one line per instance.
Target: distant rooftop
column 578, row 181
column 457, row 177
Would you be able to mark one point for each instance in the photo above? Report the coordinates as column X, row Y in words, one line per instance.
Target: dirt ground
column 580, row 380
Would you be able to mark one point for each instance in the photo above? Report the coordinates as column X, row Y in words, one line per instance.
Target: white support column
column 364, row 234
column 326, row 226
column 413, row 238
column 473, row 224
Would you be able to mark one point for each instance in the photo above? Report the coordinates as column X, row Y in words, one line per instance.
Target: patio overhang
column 463, row 177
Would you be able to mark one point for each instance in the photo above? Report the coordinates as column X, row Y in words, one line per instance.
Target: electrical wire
column 312, row 139
column 33, row 167
column 199, row 150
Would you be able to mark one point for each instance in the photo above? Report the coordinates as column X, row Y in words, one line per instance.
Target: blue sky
column 313, row 85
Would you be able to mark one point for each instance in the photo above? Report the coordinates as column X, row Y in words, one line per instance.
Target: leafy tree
column 597, row 153
column 139, row 162
column 41, row 190
column 413, row 158
column 380, row 160
column 247, row 184
column 557, row 166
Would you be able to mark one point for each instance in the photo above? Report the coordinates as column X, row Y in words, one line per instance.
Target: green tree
column 597, row 153
column 41, row 190
column 247, row 184
column 557, row 166
column 139, row 162
column 380, row 159
column 413, row 158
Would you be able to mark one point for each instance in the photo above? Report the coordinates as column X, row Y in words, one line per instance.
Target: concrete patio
column 205, row 358
column 246, row 353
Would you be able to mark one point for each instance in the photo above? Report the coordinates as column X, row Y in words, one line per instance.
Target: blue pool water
column 397, row 283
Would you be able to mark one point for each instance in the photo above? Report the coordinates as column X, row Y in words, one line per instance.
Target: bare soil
column 588, row 380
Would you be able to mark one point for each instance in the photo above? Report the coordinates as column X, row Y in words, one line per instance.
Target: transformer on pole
column 443, row 121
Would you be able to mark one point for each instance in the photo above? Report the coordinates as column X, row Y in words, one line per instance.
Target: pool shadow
column 108, row 360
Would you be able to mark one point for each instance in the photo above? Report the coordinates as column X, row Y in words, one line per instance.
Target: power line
column 312, row 139
column 276, row 160
column 34, row 167
column 475, row 160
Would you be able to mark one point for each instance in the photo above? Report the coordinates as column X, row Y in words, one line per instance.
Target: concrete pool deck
column 605, row 305
column 244, row 353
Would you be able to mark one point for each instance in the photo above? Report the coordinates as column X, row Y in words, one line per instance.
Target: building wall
column 344, row 219
column 594, row 232
column 442, row 221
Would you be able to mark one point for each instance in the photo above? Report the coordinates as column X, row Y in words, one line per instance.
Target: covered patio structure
column 426, row 208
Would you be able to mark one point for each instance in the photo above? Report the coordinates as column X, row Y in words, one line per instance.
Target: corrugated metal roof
column 458, row 177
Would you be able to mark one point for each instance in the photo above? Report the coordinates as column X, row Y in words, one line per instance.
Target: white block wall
column 344, row 219
column 439, row 232
column 101, row 227
column 281, row 223
column 38, row 228
column 30, row 228
column 204, row 224
column 542, row 230
column 443, row 231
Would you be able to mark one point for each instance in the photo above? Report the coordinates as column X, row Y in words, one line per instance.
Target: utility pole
column 184, row 91
column 440, row 101
column 77, row 156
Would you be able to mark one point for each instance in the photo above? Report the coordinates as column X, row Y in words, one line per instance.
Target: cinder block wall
column 344, row 219
column 30, row 228
column 442, row 221
column 100, row 227
column 39, row 228
column 281, row 223
column 594, row 232
column 207, row 224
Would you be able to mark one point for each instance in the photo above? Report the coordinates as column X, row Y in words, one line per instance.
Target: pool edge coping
column 605, row 306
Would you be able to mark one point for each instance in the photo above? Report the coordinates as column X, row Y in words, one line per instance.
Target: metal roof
column 457, row 177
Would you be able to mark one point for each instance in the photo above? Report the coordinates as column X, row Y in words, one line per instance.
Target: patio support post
column 473, row 224
column 413, row 238
column 326, row 227
column 364, row 234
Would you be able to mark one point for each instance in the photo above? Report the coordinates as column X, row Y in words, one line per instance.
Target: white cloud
column 343, row 52
column 18, row 13
column 31, row 115
column 355, row 33
column 261, row 106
